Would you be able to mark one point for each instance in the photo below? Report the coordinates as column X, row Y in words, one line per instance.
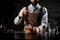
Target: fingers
column 27, row 29
column 36, row 29
column 25, row 11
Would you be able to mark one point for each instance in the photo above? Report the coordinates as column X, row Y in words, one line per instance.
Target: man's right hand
column 27, row 29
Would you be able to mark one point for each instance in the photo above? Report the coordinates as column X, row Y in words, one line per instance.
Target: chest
column 33, row 10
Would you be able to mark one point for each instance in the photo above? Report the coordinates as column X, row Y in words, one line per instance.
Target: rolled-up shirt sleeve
column 17, row 20
column 44, row 21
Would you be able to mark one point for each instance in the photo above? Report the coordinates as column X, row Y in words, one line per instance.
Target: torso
column 33, row 17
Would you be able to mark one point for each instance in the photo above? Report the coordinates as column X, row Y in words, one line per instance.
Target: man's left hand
column 36, row 29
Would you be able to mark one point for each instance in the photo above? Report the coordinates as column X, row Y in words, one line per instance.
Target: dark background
column 11, row 8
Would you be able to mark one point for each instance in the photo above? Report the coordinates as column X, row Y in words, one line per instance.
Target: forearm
column 19, row 18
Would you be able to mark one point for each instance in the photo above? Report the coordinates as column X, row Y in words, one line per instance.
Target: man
column 35, row 17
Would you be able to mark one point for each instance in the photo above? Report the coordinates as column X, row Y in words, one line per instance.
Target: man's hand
column 30, row 29
column 25, row 11
column 27, row 29
column 36, row 29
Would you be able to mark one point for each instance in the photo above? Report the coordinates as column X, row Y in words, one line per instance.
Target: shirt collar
column 35, row 5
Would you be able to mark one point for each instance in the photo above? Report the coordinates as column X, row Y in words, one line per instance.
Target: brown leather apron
column 34, row 19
